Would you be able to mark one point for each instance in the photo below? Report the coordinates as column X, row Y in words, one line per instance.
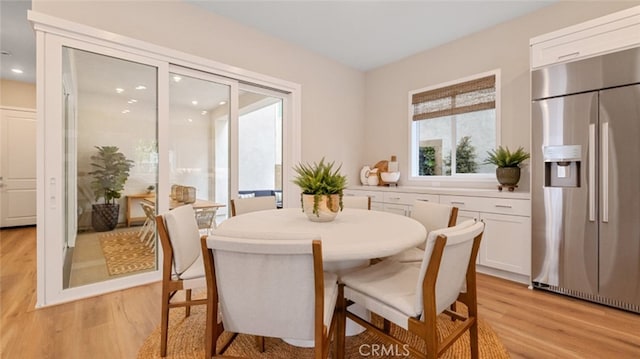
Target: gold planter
column 326, row 210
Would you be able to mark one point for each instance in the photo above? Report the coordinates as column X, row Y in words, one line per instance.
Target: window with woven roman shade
column 453, row 126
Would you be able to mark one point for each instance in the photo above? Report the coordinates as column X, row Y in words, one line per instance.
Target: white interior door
column 17, row 167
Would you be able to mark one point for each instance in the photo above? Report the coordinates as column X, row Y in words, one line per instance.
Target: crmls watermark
column 382, row 350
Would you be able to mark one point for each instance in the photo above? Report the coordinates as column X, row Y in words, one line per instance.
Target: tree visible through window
column 452, row 126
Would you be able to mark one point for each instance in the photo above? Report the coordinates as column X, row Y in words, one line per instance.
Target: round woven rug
column 186, row 341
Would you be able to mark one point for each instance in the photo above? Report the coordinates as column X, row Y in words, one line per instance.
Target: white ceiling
column 368, row 34
column 17, row 38
column 360, row 34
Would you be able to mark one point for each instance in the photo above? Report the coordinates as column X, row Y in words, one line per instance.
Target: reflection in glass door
column 260, row 144
column 199, row 116
column 111, row 165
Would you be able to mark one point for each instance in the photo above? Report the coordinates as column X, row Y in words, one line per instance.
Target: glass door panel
column 199, row 113
column 111, row 160
column 260, row 144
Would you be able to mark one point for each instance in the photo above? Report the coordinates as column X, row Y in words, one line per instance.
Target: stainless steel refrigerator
column 585, row 164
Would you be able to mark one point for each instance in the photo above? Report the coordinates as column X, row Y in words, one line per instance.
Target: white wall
column 332, row 94
column 17, row 94
column 505, row 46
column 335, row 121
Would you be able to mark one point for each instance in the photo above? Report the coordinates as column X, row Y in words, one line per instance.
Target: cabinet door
column 466, row 215
column 377, row 206
column 400, row 209
column 506, row 243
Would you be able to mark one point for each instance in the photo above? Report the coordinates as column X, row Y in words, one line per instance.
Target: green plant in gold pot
column 508, row 171
column 322, row 188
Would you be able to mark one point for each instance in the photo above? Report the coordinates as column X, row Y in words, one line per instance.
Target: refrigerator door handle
column 592, row 172
column 604, row 138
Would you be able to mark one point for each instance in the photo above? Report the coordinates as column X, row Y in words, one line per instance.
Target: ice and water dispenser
column 562, row 165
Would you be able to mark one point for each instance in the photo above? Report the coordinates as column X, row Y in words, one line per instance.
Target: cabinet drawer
column 375, row 196
column 408, row 198
column 519, row 207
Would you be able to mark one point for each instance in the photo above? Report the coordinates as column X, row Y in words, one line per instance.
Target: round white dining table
column 353, row 236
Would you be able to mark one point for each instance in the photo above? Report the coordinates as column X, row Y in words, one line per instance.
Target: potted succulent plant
column 508, row 171
column 322, row 188
column 110, row 173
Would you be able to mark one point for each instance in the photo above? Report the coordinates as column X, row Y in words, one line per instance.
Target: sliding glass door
column 118, row 127
column 199, row 118
column 110, row 126
column 260, row 143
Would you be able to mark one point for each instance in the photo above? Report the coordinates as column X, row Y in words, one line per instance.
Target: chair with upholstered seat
column 148, row 231
column 361, row 202
column 269, row 285
column 432, row 216
column 413, row 296
column 251, row 204
column 182, row 267
column 206, row 219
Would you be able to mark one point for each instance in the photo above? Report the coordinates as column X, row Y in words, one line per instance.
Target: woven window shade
column 470, row 96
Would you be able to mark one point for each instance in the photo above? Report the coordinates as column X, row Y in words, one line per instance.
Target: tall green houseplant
column 110, row 173
column 321, row 181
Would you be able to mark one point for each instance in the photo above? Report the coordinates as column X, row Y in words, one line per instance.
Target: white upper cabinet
column 614, row 32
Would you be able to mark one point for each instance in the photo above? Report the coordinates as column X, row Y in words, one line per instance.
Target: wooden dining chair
column 148, row 230
column 361, row 202
column 251, row 204
column 269, row 285
column 412, row 296
column 206, row 219
column 182, row 266
column 433, row 216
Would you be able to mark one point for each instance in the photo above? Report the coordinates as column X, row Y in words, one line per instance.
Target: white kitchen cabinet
column 506, row 243
column 402, row 202
column 614, row 32
column 505, row 250
column 376, row 197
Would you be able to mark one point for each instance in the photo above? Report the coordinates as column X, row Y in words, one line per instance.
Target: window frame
column 413, row 135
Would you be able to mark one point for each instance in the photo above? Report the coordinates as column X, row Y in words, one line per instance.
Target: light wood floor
column 531, row 324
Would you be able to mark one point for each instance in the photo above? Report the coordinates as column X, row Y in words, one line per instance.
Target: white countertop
column 451, row 191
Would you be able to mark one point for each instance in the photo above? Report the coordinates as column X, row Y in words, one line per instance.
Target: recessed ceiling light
column 222, row 102
column 194, row 102
column 190, row 120
column 119, row 90
column 16, row 71
column 141, row 87
column 125, row 111
column 132, row 101
column 204, row 112
column 177, row 78
column 5, row 52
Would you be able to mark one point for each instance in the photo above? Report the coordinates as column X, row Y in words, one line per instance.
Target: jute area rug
column 125, row 253
column 186, row 341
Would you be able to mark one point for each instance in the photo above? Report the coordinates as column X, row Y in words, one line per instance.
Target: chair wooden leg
column 473, row 336
column 164, row 325
column 187, row 309
column 341, row 324
column 386, row 326
column 431, row 343
column 260, row 343
column 211, row 330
